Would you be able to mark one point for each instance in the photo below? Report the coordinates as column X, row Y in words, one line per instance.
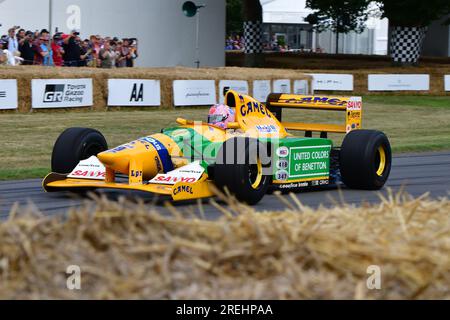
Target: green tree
column 235, row 21
column 339, row 16
column 414, row 13
column 411, row 17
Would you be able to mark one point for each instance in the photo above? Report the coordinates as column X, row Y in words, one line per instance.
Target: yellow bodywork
column 352, row 106
column 140, row 160
column 178, row 192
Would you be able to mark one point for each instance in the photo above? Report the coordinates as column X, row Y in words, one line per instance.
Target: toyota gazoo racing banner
column 61, row 93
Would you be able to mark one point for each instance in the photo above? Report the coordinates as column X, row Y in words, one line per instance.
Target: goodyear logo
column 255, row 108
column 318, row 100
column 183, row 189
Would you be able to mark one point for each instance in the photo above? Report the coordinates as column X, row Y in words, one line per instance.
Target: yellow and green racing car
column 254, row 152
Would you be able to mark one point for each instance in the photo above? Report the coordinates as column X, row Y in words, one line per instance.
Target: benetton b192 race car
column 255, row 154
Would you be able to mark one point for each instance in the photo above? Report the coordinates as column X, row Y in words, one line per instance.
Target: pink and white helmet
column 220, row 115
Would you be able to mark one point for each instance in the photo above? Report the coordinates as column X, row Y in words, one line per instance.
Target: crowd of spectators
column 22, row 47
column 237, row 43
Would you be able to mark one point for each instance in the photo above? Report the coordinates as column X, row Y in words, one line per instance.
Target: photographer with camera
column 26, row 48
column 72, row 49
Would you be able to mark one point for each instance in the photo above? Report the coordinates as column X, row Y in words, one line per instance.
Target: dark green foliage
column 235, row 21
column 414, row 13
column 340, row 16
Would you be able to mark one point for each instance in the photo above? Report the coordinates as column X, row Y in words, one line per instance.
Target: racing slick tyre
column 75, row 145
column 365, row 160
column 243, row 167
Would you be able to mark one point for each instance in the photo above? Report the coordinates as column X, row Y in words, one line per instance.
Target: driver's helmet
column 220, row 115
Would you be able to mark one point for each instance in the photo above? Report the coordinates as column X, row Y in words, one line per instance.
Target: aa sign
column 134, row 93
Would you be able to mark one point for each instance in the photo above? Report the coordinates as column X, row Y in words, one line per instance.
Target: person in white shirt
column 13, row 43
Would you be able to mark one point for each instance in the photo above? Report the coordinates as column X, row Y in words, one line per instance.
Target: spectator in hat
column 13, row 43
column 20, row 35
column 57, row 50
column 47, row 52
column 72, row 49
column 26, row 48
column 39, row 54
column 44, row 33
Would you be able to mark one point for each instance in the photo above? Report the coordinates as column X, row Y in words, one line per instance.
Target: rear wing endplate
column 352, row 106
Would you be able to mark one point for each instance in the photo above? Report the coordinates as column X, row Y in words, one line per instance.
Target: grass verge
column 412, row 124
column 126, row 251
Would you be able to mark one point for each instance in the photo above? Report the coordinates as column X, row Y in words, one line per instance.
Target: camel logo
column 54, row 93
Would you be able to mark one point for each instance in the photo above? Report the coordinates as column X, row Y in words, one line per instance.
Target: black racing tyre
column 243, row 167
column 75, row 145
column 365, row 160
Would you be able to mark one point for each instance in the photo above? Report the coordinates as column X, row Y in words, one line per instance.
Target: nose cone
column 145, row 158
column 119, row 162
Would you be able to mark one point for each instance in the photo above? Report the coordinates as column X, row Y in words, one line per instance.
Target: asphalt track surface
column 416, row 173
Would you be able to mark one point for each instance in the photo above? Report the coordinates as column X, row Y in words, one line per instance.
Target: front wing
column 179, row 192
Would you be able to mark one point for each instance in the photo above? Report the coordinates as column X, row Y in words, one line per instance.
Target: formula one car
column 253, row 155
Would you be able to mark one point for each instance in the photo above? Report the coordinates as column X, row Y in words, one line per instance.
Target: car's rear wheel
column 242, row 168
column 75, row 145
column 365, row 160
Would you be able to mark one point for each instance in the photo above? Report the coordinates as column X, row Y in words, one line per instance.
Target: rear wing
column 352, row 106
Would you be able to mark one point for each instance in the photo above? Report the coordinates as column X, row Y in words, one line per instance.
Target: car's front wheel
column 75, row 145
column 242, row 168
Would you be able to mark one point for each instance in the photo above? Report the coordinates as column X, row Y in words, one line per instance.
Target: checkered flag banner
column 253, row 36
column 406, row 43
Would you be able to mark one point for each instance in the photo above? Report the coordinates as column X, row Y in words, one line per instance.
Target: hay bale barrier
column 24, row 75
column 128, row 251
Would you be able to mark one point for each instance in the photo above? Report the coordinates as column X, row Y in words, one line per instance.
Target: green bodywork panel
column 294, row 159
column 302, row 159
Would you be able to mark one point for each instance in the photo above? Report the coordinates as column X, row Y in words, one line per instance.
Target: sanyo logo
column 74, row 17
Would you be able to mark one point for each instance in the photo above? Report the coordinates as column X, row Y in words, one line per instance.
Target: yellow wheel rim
column 259, row 176
column 382, row 166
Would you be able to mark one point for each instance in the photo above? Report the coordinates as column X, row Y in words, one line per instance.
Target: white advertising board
column 134, row 92
column 399, row 82
column 61, row 93
column 8, row 94
column 236, row 85
column 332, row 82
column 194, row 92
column 282, row 86
column 261, row 90
column 447, row 82
column 301, row 87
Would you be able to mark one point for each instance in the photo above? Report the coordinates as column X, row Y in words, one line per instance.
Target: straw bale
column 25, row 74
column 130, row 251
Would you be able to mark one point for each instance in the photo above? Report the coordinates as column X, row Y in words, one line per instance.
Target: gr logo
column 54, row 93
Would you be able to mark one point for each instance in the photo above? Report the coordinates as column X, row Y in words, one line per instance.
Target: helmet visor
column 216, row 118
